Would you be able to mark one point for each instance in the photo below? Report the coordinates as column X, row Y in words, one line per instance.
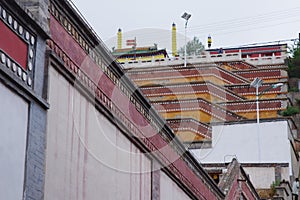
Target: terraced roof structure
column 212, row 88
column 139, row 53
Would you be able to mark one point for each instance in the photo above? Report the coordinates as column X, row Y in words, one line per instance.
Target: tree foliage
column 294, row 62
column 193, row 47
column 290, row 110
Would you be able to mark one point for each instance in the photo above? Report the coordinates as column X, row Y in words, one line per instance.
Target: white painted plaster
column 170, row 190
column 87, row 157
column 268, row 144
column 13, row 134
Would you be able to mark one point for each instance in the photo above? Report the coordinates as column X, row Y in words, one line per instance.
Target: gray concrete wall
column 38, row 10
column 36, row 106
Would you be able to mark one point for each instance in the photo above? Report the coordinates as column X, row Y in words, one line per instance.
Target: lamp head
column 257, row 82
column 277, row 85
column 186, row 16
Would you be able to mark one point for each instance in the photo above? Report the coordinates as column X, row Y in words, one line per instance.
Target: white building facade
column 266, row 150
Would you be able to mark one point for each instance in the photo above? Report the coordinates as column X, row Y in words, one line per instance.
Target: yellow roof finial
column 174, row 40
column 119, row 39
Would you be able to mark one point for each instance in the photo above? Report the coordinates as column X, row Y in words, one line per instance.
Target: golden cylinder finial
column 174, row 40
column 209, row 41
column 119, row 39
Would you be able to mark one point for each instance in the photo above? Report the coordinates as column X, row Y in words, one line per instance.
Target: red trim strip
column 13, row 45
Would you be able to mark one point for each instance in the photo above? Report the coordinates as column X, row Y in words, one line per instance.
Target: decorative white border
column 25, row 75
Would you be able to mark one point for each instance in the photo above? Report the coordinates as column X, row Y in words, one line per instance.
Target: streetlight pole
column 185, row 16
column 185, row 43
column 257, row 82
column 257, row 103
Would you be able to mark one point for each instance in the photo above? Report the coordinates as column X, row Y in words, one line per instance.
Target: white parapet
column 205, row 58
column 267, row 60
column 270, row 60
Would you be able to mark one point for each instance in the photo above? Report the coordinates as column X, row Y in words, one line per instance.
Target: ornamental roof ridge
column 234, row 75
column 206, row 125
column 242, row 62
column 191, row 84
column 197, row 100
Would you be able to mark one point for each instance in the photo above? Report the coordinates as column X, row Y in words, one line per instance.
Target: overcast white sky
column 230, row 23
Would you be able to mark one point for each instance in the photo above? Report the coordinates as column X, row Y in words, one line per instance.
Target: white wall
column 295, row 164
column 261, row 177
column 170, row 190
column 271, row 145
column 87, row 157
column 243, row 141
column 13, row 134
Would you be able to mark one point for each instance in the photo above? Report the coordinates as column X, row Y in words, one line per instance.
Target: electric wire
column 225, row 27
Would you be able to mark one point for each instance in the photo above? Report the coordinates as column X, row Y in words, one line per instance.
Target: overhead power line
column 279, row 17
column 251, row 20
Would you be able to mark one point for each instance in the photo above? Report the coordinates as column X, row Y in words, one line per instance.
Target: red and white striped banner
column 131, row 42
